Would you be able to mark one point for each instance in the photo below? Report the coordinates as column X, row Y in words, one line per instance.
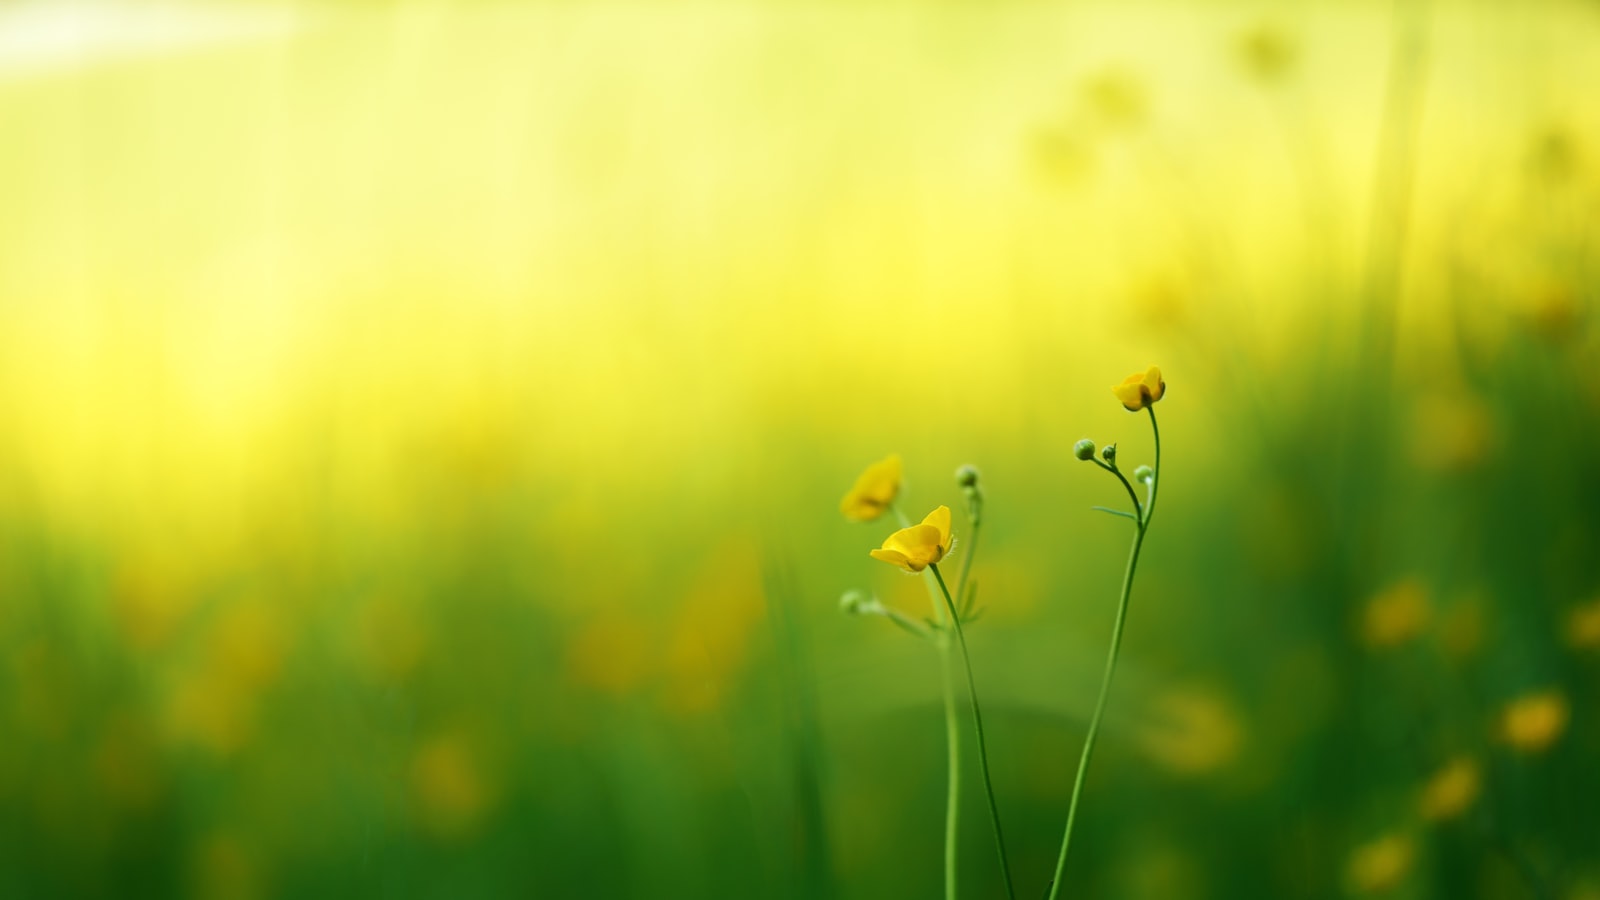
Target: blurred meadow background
column 422, row 430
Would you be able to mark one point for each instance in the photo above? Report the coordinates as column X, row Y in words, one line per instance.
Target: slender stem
column 1141, row 525
column 952, row 740
column 1099, row 707
column 966, row 559
column 977, row 722
column 952, row 735
column 1132, row 495
column 905, row 621
column 1156, row 484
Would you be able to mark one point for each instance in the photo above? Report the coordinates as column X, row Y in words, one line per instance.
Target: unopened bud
column 1083, row 449
column 967, row 476
column 1109, row 453
column 1144, row 474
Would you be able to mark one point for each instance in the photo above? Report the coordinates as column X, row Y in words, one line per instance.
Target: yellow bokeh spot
column 611, row 654
column 387, row 639
column 126, row 764
column 1583, row 626
column 1192, row 731
column 1381, row 864
column 1451, row 432
column 225, row 869
column 1395, row 615
column 1452, row 790
column 448, row 786
column 874, row 491
column 708, row 642
column 1532, row 722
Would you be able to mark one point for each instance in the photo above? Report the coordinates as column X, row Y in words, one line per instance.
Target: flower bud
column 1144, row 474
column 853, row 602
column 1109, row 453
column 1083, row 449
column 967, row 476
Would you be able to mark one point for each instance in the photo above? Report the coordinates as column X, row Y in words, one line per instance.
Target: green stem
column 1156, row 484
column 977, row 722
column 966, row 559
column 952, row 733
column 952, row 740
column 1099, row 708
column 1140, row 527
column 1138, row 507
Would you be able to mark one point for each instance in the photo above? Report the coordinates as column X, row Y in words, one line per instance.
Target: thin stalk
column 952, row 740
column 1141, row 525
column 952, row 734
column 1138, row 507
column 977, row 722
column 966, row 559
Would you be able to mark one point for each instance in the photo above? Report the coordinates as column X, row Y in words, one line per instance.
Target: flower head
column 873, row 491
column 1141, row 389
column 919, row 546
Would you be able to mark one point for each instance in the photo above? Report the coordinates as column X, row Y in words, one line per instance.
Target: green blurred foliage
column 421, row 433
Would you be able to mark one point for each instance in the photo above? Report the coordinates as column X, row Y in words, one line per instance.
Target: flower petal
column 1131, row 393
column 940, row 519
column 892, row 557
column 1152, row 381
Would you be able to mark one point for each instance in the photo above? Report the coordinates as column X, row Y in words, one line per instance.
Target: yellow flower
column 874, row 490
column 1532, row 722
column 1396, row 614
column 1140, row 390
column 1378, row 866
column 1451, row 790
column 919, row 546
column 1583, row 626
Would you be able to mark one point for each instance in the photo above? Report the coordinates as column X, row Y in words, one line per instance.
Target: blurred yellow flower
column 1396, row 614
column 449, row 788
column 1192, row 731
column 1583, row 626
column 1380, row 864
column 1532, row 722
column 1267, row 53
column 873, row 491
column 919, row 546
column 1141, row 389
column 1452, row 790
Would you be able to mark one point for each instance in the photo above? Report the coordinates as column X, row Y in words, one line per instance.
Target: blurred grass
column 421, row 430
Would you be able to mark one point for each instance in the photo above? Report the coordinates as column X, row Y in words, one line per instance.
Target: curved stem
column 1138, row 507
column 1156, row 430
column 966, row 559
column 1099, row 708
column 977, row 722
column 1141, row 526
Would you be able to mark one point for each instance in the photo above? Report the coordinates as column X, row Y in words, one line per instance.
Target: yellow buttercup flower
column 873, row 491
column 1141, row 389
column 919, row 546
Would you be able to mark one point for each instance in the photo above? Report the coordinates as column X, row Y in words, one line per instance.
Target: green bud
column 1109, row 453
column 1084, row 449
column 967, row 476
column 1144, row 474
column 852, row 602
